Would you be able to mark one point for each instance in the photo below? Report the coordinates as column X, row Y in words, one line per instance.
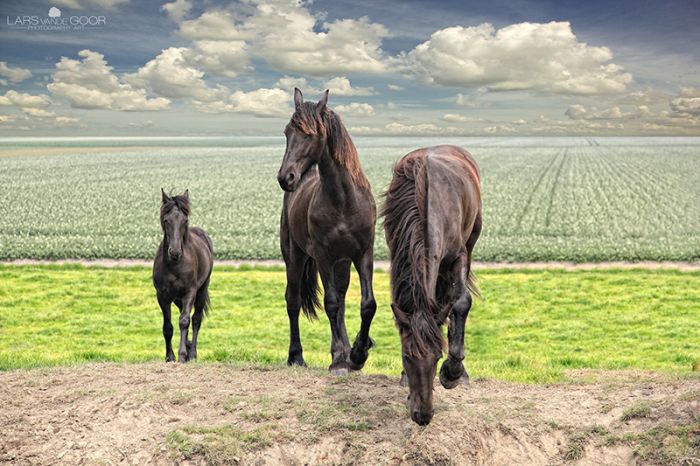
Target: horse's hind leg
column 452, row 372
column 167, row 328
column 336, row 279
column 199, row 303
column 368, row 307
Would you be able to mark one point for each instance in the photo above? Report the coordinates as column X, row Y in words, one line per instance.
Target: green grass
column 544, row 198
column 532, row 326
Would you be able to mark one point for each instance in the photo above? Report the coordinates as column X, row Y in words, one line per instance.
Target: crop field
column 571, row 199
column 531, row 326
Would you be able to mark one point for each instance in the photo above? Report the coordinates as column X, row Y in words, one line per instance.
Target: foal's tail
column 309, row 289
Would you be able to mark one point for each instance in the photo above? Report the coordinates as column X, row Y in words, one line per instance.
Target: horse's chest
column 172, row 285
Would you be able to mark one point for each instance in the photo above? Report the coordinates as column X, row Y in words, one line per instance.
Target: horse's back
column 205, row 236
column 204, row 249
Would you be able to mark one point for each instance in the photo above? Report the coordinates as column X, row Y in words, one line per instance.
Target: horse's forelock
column 179, row 202
column 308, row 120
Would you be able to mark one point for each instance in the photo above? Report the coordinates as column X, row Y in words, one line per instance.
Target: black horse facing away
column 432, row 220
column 181, row 273
column 328, row 220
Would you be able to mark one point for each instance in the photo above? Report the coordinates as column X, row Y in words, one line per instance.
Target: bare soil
column 159, row 413
column 384, row 265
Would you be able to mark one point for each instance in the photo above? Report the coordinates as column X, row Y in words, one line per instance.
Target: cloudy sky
column 393, row 67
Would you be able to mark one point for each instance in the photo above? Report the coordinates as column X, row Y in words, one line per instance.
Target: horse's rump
column 431, row 206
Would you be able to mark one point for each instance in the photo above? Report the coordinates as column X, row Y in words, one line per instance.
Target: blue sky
column 393, row 67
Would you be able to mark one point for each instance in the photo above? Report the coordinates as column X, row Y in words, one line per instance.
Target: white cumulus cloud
column 355, row 109
column 453, row 117
column 525, row 56
column 171, row 75
column 15, row 74
column 89, row 83
column 20, row 99
column 260, row 102
column 289, row 37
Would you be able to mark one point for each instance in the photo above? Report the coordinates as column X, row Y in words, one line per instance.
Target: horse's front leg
column 187, row 302
column 165, row 306
column 368, row 307
column 335, row 284
column 452, row 372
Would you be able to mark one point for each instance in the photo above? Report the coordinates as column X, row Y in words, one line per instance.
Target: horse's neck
column 336, row 182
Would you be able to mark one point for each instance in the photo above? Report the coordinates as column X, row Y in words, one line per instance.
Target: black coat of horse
column 328, row 221
column 432, row 220
column 181, row 274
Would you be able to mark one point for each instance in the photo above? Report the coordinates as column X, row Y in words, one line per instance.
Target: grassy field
column 532, row 325
column 574, row 199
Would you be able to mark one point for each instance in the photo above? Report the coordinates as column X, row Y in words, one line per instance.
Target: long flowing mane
column 310, row 121
column 405, row 223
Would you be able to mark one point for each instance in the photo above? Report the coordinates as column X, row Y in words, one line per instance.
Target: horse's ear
column 298, row 98
column 164, row 196
column 186, row 194
column 321, row 105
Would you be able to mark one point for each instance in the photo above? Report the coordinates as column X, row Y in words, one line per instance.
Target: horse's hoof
column 170, row 359
column 357, row 363
column 355, row 367
column 296, row 361
column 449, row 383
column 338, row 371
column 404, row 380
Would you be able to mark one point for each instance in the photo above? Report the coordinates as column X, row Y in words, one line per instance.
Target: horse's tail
column 412, row 276
column 207, row 301
column 472, row 285
column 309, row 289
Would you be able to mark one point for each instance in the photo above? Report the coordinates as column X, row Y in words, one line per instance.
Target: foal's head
column 306, row 138
column 174, row 213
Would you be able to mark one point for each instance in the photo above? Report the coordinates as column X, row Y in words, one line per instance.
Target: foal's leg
column 452, row 372
column 187, row 303
column 167, row 328
column 368, row 307
column 336, row 279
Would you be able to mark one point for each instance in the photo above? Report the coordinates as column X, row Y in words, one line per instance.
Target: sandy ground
column 384, row 265
column 159, row 413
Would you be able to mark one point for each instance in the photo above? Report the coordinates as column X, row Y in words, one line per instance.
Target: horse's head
column 174, row 213
column 306, row 139
column 421, row 348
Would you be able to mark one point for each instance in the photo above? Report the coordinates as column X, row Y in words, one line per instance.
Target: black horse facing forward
column 327, row 224
column 181, row 273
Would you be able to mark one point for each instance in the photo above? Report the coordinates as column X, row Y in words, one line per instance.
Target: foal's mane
column 405, row 220
column 182, row 203
column 308, row 119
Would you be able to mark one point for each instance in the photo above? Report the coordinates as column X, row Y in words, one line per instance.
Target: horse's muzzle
column 422, row 418
column 287, row 182
column 174, row 255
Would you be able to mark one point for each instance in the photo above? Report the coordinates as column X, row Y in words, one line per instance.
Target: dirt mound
column 222, row 414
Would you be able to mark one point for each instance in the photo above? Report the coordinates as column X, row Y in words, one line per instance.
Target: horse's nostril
column 290, row 177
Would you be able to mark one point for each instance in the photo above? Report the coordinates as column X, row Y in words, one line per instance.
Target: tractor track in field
column 382, row 264
column 157, row 413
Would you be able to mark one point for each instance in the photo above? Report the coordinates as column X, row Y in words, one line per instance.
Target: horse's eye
column 307, row 137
